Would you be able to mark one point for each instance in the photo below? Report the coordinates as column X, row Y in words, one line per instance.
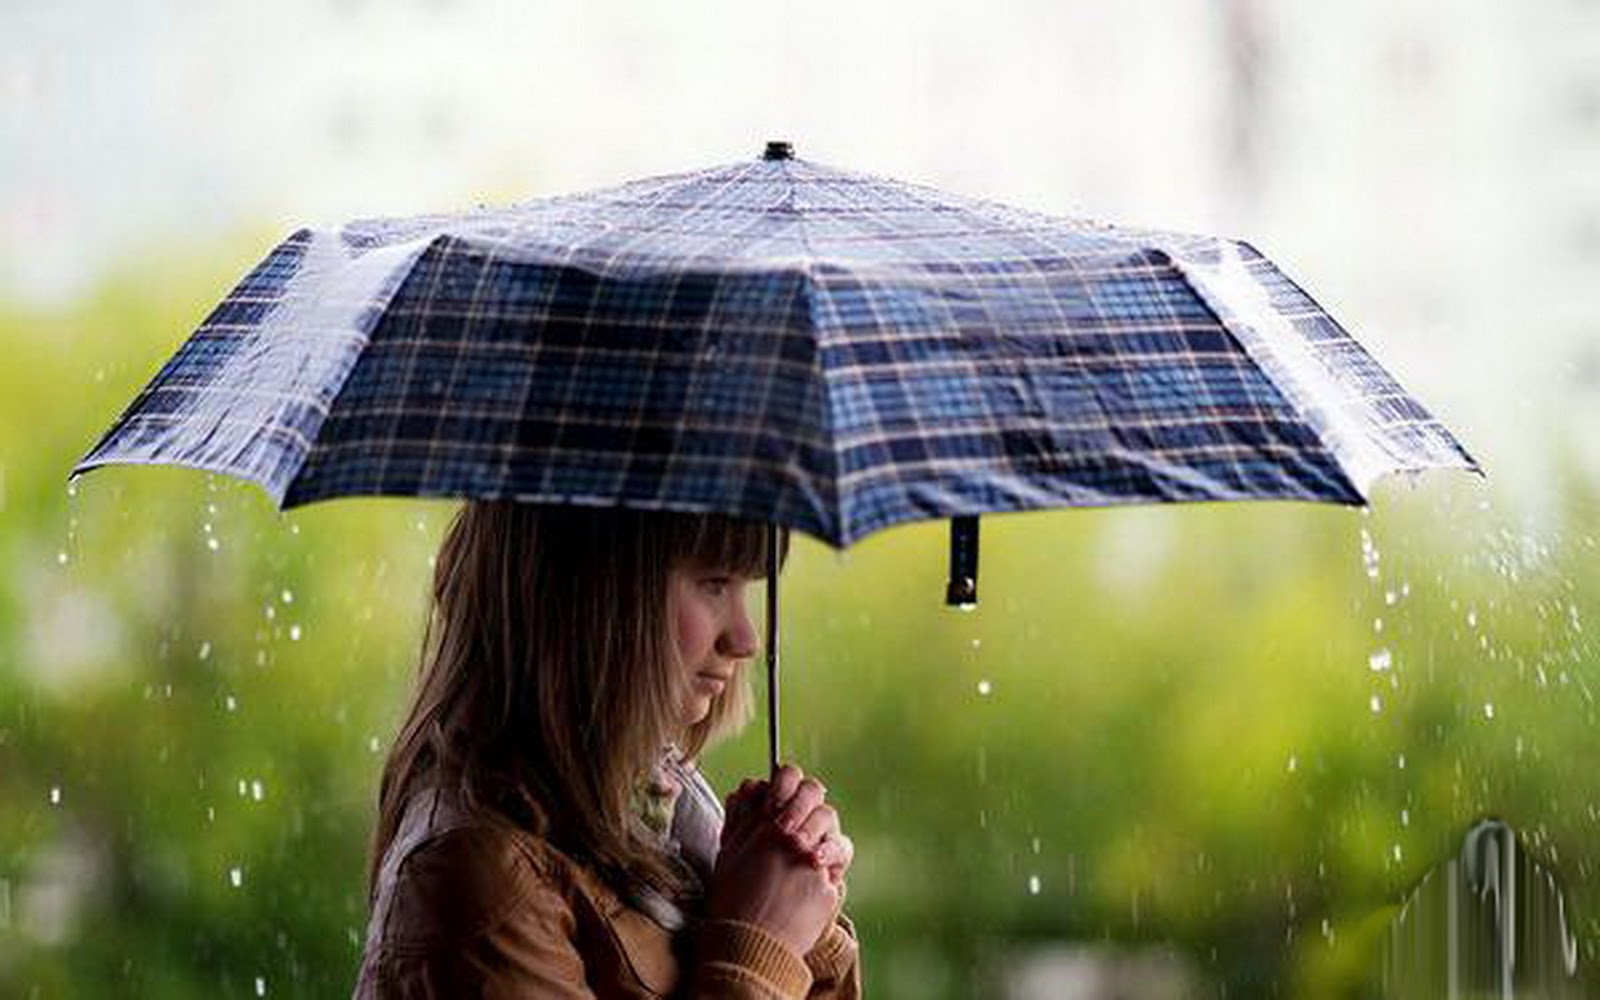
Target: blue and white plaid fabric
column 779, row 340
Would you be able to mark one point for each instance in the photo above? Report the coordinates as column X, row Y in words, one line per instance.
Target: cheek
column 695, row 633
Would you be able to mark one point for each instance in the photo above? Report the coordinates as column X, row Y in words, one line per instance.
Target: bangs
column 729, row 544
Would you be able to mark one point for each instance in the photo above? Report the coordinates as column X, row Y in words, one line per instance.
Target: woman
column 542, row 828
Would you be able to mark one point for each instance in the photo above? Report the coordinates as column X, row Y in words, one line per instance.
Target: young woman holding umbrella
column 543, row 830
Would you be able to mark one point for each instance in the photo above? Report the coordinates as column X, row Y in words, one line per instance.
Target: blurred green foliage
column 1161, row 730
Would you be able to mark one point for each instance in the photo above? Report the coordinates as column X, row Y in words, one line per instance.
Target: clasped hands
column 783, row 859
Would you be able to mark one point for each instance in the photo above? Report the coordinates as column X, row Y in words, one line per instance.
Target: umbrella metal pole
column 772, row 650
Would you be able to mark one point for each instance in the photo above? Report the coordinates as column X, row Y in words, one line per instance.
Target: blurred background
column 1187, row 751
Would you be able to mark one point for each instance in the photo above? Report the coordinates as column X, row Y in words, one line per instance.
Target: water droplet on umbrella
column 270, row 612
column 287, row 596
column 236, row 877
column 294, row 633
column 372, row 744
column 1377, row 624
column 1472, row 618
column 1405, row 817
column 984, row 688
column 261, row 986
column 61, row 557
column 55, row 795
column 205, row 650
column 211, row 543
column 1381, row 660
column 1377, row 704
column 1400, row 761
column 1488, row 710
column 244, row 788
column 1034, row 885
column 258, row 791
column 1397, row 854
column 231, row 703
column 1389, row 597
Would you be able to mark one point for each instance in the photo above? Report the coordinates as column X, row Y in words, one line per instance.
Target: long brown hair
column 546, row 689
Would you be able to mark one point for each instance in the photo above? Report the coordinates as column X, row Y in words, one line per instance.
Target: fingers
column 800, row 807
column 743, row 805
column 821, row 822
column 784, row 784
column 834, row 853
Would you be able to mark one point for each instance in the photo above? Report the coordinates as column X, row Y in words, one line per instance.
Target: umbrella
column 784, row 341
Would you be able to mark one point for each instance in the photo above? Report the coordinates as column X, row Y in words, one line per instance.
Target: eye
column 716, row 585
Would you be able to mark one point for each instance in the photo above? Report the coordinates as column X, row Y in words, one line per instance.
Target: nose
column 738, row 639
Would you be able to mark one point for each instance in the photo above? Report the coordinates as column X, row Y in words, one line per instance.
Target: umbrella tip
column 779, row 150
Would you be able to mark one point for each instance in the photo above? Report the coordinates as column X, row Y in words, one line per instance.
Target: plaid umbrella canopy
column 778, row 340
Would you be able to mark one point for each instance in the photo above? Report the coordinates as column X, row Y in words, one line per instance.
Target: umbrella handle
column 772, row 650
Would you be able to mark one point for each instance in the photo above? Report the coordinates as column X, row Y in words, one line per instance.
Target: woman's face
column 713, row 633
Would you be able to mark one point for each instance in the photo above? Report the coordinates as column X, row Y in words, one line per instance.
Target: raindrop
column 205, row 650
column 1472, row 618
column 1389, row 597
column 294, row 633
column 258, row 791
column 55, row 795
column 61, row 557
column 372, row 744
column 1405, row 817
column 1034, row 885
column 1377, row 624
column 271, row 613
column 1380, row 661
column 211, row 543
column 1369, row 554
column 984, row 688
column 244, row 788
column 294, row 529
column 236, row 877
column 1400, row 761
column 1294, row 763
column 231, row 703
column 1488, row 710
column 1036, row 845
column 287, row 596
column 261, row 986
column 206, row 527
column 977, row 643
column 1377, row 704
column 1397, row 854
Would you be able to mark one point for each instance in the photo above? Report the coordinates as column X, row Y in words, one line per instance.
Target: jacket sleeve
column 835, row 964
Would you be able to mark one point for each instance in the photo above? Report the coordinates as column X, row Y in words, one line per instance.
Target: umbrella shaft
column 772, row 649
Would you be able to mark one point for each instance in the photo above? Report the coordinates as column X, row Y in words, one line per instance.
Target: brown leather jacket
column 469, row 907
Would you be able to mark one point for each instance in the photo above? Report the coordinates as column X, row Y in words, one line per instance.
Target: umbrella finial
column 779, row 150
